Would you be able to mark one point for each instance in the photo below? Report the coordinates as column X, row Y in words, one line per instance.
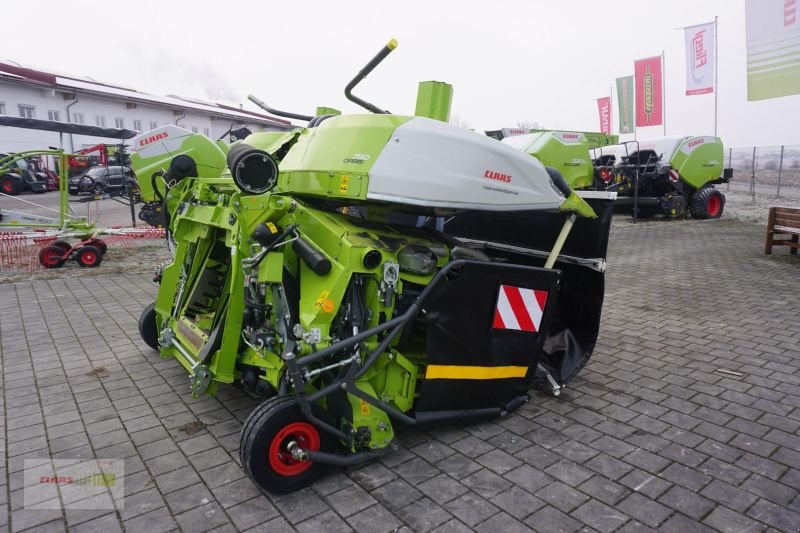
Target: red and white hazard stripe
column 519, row 309
column 673, row 174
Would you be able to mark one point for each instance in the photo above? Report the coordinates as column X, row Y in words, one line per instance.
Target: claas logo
column 153, row 138
column 497, row 176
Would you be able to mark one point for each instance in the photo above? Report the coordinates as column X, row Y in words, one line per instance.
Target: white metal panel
column 432, row 164
column 164, row 140
column 597, row 195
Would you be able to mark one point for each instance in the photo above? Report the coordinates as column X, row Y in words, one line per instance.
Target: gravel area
column 135, row 256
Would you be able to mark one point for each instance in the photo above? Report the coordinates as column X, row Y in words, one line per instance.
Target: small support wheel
column 52, row 256
column 270, row 435
column 89, row 256
column 63, row 245
column 100, row 244
column 148, row 328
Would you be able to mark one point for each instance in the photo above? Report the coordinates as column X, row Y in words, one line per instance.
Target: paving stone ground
column 651, row 436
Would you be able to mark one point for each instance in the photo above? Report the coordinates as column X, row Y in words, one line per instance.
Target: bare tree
column 528, row 125
column 458, row 122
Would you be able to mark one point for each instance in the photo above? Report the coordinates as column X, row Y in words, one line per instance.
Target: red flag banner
column 604, row 108
column 649, row 97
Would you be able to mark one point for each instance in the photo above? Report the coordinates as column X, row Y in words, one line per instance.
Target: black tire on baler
column 707, row 202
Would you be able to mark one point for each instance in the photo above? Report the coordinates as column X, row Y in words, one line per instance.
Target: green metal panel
column 210, row 159
column 434, row 99
column 595, row 139
column 571, row 159
column 334, row 159
column 322, row 110
column 699, row 160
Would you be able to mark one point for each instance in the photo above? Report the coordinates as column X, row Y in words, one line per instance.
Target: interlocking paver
column 649, row 435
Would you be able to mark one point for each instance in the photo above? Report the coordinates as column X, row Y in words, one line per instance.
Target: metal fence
column 765, row 170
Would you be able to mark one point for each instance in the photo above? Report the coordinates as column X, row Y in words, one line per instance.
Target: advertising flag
column 604, row 108
column 699, row 59
column 773, row 48
column 625, row 104
column 649, row 96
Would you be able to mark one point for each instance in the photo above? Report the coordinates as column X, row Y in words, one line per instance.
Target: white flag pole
column 716, row 71
column 611, row 110
column 663, row 92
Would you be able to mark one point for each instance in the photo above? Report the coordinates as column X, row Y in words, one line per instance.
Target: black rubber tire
column 148, row 329
column 99, row 244
column 98, row 189
column 89, row 256
column 85, row 184
column 258, row 432
column 51, row 256
column 9, row 186
column 64, row 245
column 707, row 203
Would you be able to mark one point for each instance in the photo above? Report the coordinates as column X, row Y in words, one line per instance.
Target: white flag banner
column 699, row 58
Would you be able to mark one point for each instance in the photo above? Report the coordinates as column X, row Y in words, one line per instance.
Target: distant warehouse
column 30, row 93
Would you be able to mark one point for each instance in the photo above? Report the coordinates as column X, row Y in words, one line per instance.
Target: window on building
column 2, row 108
column 100, row 120
column 27, row 111
column 54, row 116
column 137, row 125
column 153, row 124
column 206, row 132
column 119, row 123
column 194, row 129
column 77, row 118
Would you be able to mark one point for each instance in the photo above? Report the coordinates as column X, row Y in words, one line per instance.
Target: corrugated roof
column 15, row 72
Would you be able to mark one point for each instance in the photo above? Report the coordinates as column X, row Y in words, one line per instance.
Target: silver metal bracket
column 201, row 379
column 555, row 387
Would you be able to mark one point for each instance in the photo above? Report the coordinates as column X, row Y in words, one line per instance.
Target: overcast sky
column 509, row 61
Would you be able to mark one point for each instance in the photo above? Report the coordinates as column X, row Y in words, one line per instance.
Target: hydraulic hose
column 284, row 114
column 369, row 67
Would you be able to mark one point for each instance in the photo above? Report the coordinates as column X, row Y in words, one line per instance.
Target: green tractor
column 367, row 270
column 671, row 176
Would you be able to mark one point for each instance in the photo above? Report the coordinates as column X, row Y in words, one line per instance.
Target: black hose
column 369, row 67
column 284, row 114
column 155, row 175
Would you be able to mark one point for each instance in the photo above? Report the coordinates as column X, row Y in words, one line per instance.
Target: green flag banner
column 625, row 99
column 773, row 48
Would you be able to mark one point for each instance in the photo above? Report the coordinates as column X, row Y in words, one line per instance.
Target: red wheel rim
column 714, row 205
column 51, row 257
column 280, row 460
column 8, row 186
column 89, row 257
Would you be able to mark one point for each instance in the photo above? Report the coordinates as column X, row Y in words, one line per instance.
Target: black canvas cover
column 465, row 343
column 574, row 324
column 66, row 127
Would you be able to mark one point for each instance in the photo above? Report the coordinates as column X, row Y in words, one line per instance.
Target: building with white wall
column 31, row 93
